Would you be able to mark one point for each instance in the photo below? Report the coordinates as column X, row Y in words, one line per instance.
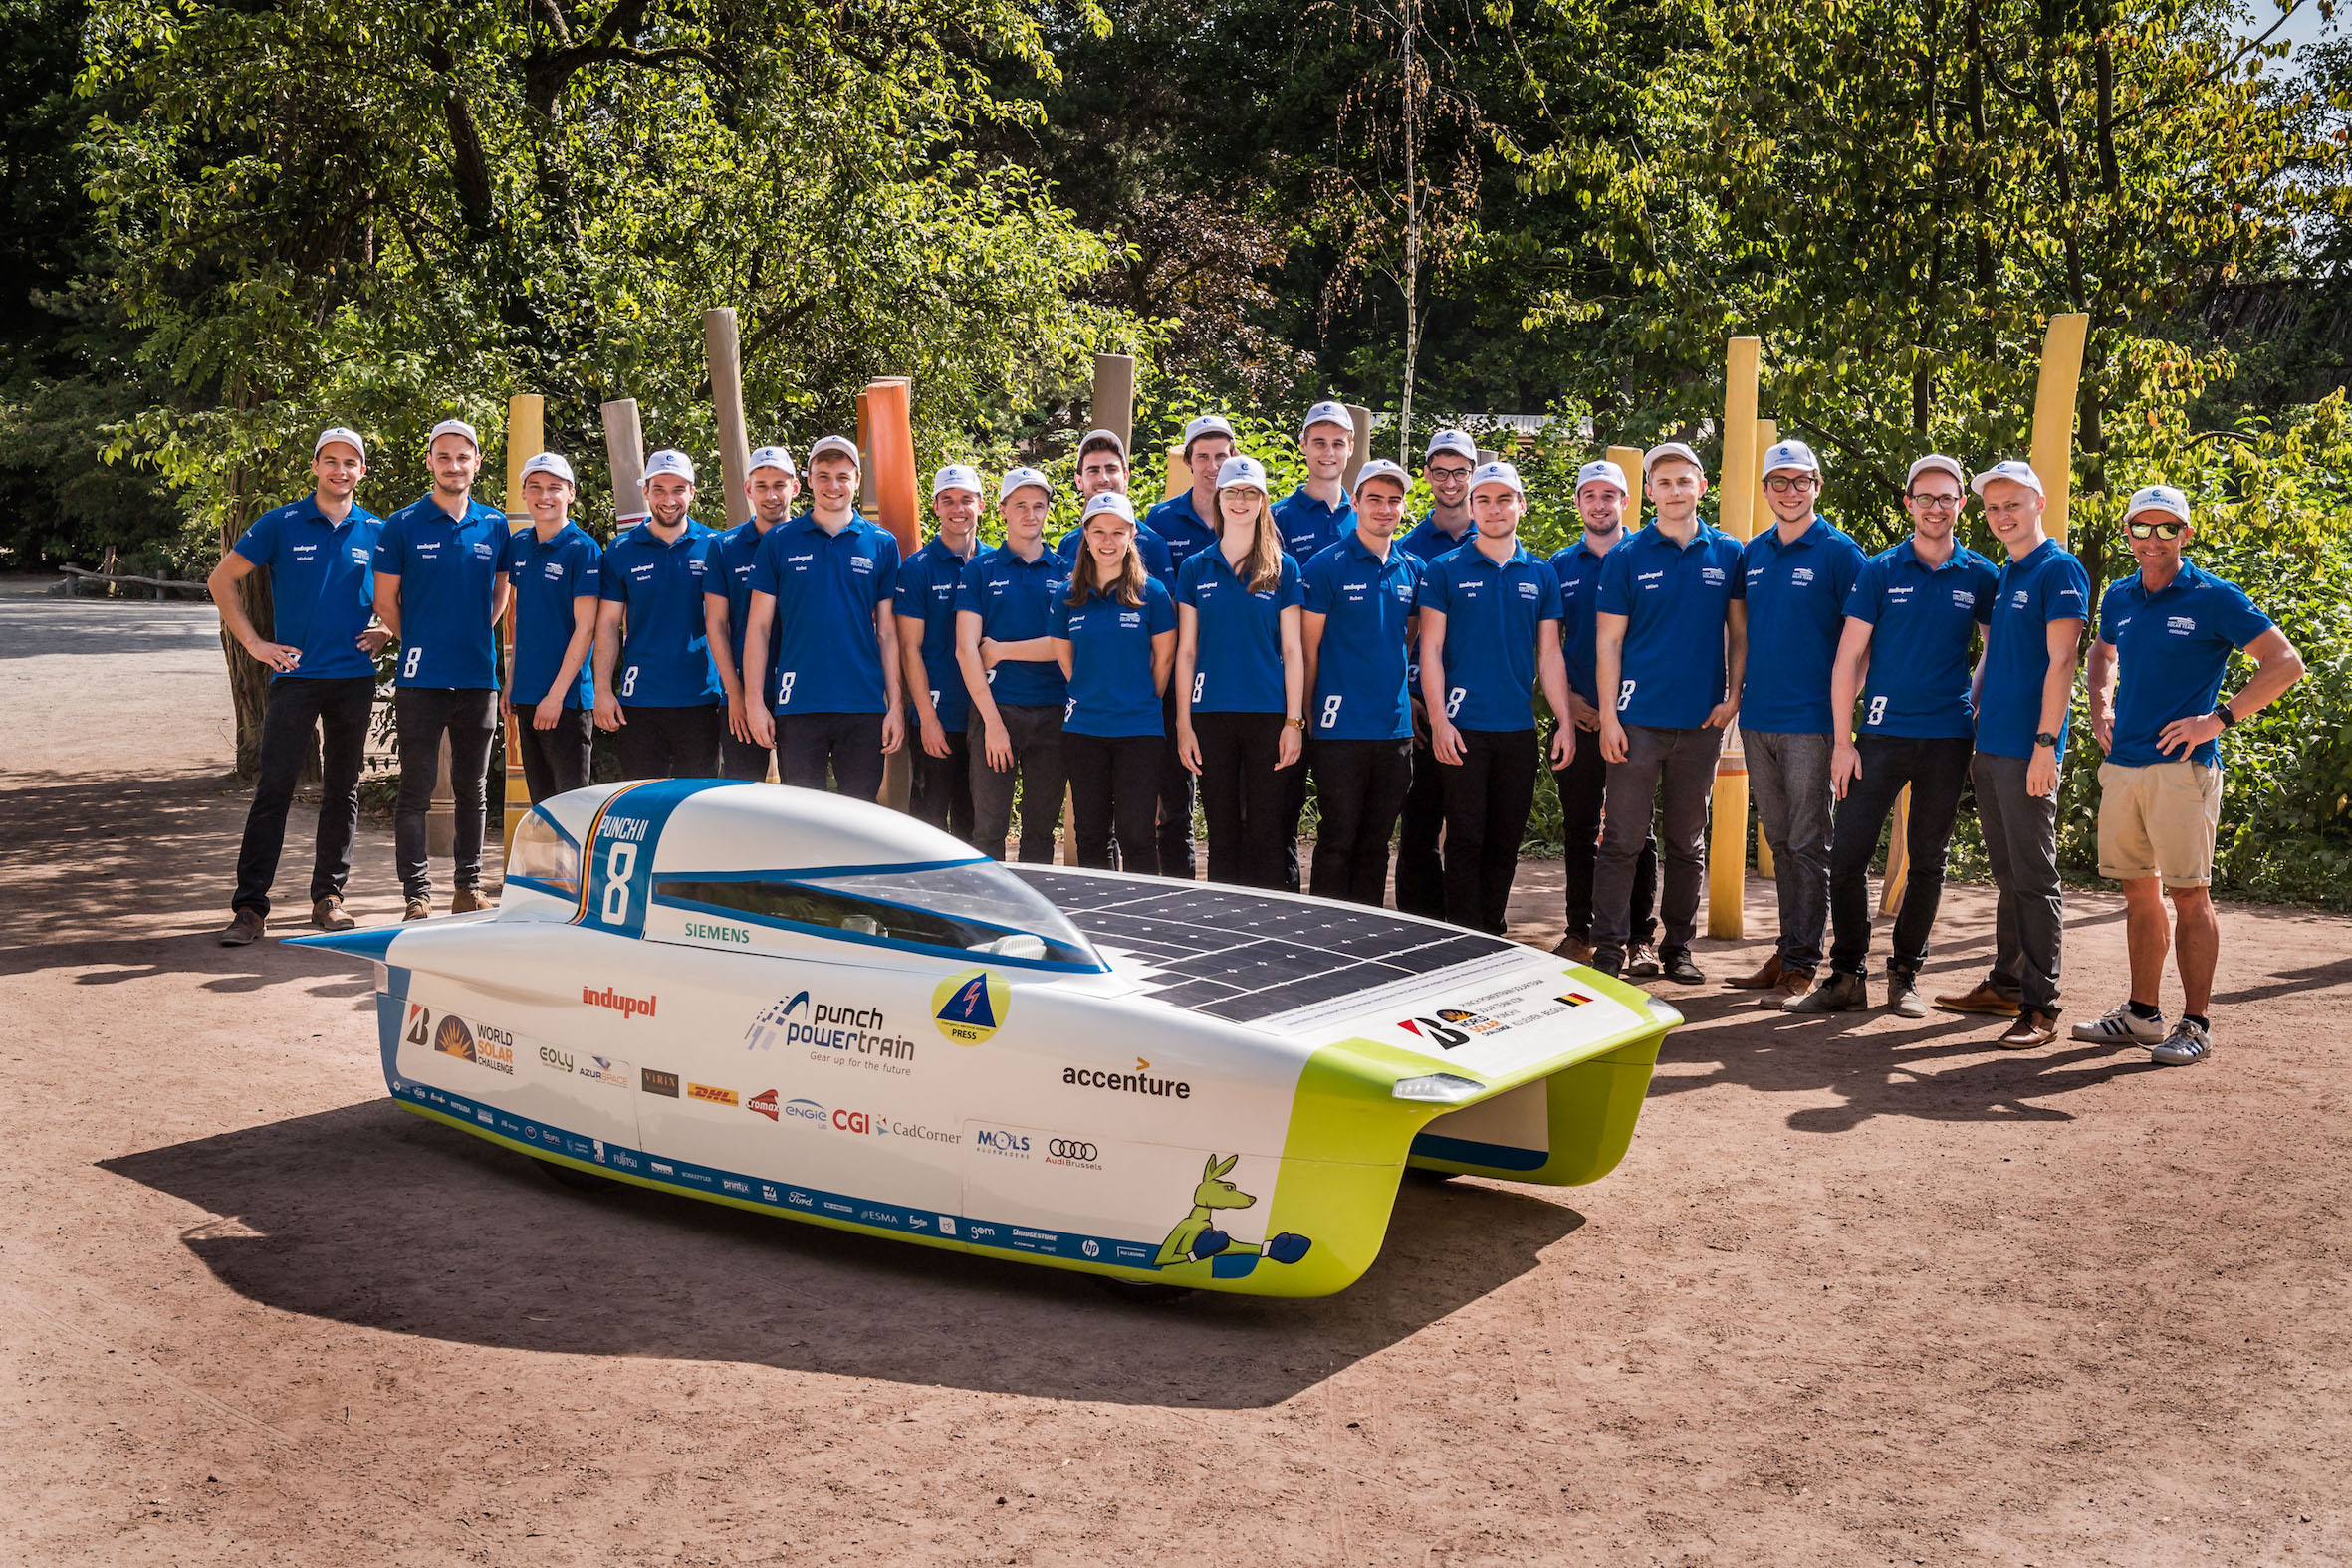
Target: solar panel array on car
column 1242, row 956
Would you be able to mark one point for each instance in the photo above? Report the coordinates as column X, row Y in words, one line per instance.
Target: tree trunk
column 249, row 678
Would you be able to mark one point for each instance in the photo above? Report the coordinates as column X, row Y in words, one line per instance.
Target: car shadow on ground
column 371, row 1217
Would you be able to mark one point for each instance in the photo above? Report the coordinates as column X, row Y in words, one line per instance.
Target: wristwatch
column 2223, row 714
column 1296, row 723
column 2046, row 738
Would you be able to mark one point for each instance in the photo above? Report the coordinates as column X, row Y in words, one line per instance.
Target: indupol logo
column 627, row 1006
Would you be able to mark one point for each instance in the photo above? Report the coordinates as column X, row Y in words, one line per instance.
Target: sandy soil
column 1863, row 1291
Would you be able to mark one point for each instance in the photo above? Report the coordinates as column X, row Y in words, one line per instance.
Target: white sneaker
column 2184, row 1046
column 2120, row 1027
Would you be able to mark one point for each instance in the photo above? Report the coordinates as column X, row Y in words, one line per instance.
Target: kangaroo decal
column 1196, row 1240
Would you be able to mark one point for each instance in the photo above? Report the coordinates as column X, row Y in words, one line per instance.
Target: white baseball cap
column 1382, row 468
column 344, row 433
column 1208, row 424
column 1457, row 442
column 454, row 428
column 1674, row 449
column 772, row 457
column 2014, row 471
column 1110, row 438
column 669, row 460
column 1792, row 455
column 1109, row 501
column 1936, row 462
column 2158, row 498
column 1602, row 468
column 1019, row 478
column 1496, row 474
column 837, row 446
column 1327, row 413
column 956, row 476
column 1242, row 470
column 551, row 463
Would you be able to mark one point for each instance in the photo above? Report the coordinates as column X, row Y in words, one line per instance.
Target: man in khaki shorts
column 2172, row 628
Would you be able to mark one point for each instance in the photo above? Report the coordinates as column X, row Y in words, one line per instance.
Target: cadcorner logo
column 627, row 1006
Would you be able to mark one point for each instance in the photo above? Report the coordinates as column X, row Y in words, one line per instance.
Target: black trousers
column 469, row 717
column 1114, row 780
column 1935, row 770
column 1582, row 784
column 1034, row 730
column 1175, row 807
column 1488, row 799
column 1359, row 789
column 941, row 791
column 555, row 761
column 1420, row 870
column 340, row 707
column 849, row 743
column 741, row 758
column 1246, row 798
column 672, row 743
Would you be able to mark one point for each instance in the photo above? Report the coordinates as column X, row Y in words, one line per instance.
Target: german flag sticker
column 1573, row 998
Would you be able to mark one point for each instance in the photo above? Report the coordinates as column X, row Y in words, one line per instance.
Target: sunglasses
column 2155, row 530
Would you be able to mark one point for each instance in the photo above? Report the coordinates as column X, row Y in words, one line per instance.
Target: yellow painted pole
column 2054, row 418
column 525, row 438
column 1761, row 517
column 1628, row 458
column 1726, row 859
column 1179, row 474
column 1889, row 896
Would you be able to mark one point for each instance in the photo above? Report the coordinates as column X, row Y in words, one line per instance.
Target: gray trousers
column 1789, row 776
column 1682, row 761
column 2021, row 843
column 1036, row 736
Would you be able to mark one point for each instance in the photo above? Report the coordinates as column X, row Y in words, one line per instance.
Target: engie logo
column 627, row 1006
column 971, row 1006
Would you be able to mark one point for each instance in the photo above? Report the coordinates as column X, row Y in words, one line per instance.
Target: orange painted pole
column 888, row 417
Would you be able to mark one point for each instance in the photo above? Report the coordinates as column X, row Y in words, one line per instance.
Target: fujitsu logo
column 627, row 1006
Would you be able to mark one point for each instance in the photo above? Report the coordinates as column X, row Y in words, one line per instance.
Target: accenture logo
column 627, row 1006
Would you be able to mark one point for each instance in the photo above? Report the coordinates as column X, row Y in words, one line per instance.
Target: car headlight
column 1444, row 1087
column 1665, row 1013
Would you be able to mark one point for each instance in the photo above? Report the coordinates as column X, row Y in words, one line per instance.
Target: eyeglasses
column 1435, row 472
column 1782, row 487
column 1938, row 503
column 2141, row 530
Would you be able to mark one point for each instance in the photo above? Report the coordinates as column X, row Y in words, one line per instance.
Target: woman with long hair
column 1240, row 679
column 1115, row 634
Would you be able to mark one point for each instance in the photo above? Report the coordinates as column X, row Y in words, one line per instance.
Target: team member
column 319, row 553
column 1114, row 635
column 1602, row 495
column 556, row 573
column 659, row 690
column 822, row 591
column 2023, row 684
column 1315, row 516
column 440, row 587
column 1240, row 680
column 1490, row 632
column 2171, row 628
column 1017, row 691
column 1186, row 520
column 770, row 485
column 1669, row 650
column 1909, row 622
column 1794, row 576
column 1355, row 630
column 941, row 792
column 1420, row 873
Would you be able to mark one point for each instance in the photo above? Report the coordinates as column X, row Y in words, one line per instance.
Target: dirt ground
column 1864, row 1291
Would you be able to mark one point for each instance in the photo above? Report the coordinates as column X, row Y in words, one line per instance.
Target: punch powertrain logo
column 1450, row 1026
column 971, row 1006
column 1141, row 1081
column 711, row 1095
column 627, row 1006
column 823, row 1026
column 655, row 1081
column 764, row 1102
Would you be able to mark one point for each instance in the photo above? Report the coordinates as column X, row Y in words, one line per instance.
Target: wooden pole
column 1890, row 893
column 722, row 351
column 1179, row 475
column 1628, row 458
column 525, row 438
column 1726, row 858
column 890, row 420
column 1114, row 396
column 625, row 449
column 2054, row 418
column 867, row 500
column 1361, row 418
column 1761, row 517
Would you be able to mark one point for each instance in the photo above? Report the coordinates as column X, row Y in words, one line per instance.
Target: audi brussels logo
column 1070, row 1149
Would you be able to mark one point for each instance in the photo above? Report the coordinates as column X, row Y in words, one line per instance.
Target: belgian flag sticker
column 971, row 1006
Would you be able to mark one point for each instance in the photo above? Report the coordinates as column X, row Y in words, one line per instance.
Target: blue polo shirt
column 1921, row 623
column 665, row 658
column 727, row 556
column 549, row 578
column 1493, row 611
column 828, row 656
column 2047, row 584
column 321, row 584
column 927, row 585
column 1431, row 543
column 1578, row 571
column 1238, row 664
column 2174, row 646
column 1363, row 689
column 1014, row 600
column 1796, row 598
column 1675, row 599
column 1158, row 563
column 449, row 570
column 1308, row 528
column 1110, row 690
column 1180, row 526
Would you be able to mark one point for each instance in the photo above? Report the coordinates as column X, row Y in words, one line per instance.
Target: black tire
column 1137, row 1293
column 572, row 1177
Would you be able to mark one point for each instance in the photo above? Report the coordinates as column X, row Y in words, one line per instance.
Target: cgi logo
column 996, row 1139
column 627, row 1006
column 851, row 1122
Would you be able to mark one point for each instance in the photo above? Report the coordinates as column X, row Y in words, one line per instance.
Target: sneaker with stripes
column 2122, row 1027
column 2187, row 1046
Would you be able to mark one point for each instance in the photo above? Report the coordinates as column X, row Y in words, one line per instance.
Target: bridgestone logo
column 627, row 1006
column 1130, row 1082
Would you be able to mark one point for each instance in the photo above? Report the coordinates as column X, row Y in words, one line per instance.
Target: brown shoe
column 1792, row 985
column 1983, row 999
column 419, row 909
column 2029, row 1030
column 326, row 913
column 1763, row 978
column 244, row 929
column 1574, row 949
column 466, row 900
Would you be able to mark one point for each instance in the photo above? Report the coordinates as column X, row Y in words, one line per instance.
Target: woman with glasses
column 1114, row 635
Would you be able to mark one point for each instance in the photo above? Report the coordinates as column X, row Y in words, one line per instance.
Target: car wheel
column 578, row 1180
column 1136, row 1292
